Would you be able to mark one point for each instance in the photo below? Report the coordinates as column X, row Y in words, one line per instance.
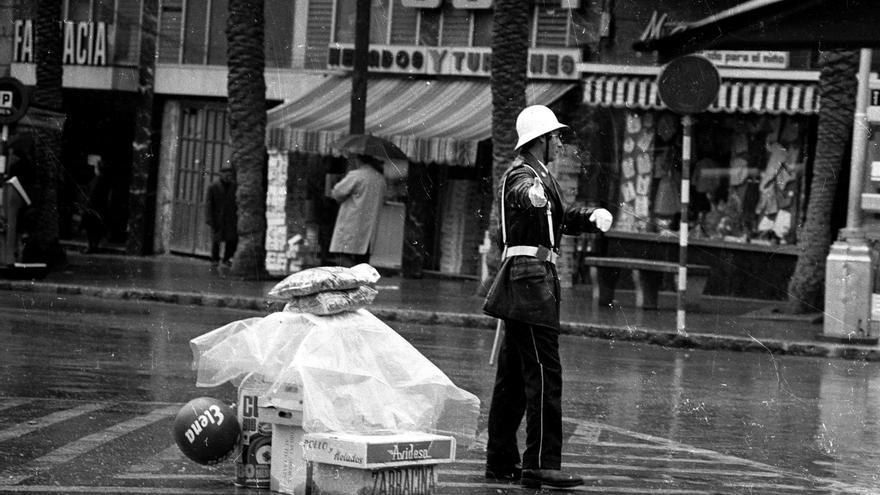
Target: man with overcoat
column 221, row 215
column 525, row 295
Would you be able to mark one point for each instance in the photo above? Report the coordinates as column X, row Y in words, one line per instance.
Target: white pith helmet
column 535, row 121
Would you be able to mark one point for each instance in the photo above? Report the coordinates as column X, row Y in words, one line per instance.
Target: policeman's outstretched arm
column 579, row 219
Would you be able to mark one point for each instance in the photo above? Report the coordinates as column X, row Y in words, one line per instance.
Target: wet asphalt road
column 89, row 389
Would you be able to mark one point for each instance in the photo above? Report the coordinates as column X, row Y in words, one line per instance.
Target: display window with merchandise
column 746, row 182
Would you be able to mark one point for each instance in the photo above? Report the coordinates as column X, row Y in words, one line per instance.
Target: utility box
column 849, row 281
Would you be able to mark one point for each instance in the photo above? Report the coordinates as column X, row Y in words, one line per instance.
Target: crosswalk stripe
column 588, row 489
column 714, row 472
column 10, row 403
column 457, row 473
column 658, row 458
column 661, row 442
column 22, row 429
column 133, row 490
column 87, row 443
column 166, row 477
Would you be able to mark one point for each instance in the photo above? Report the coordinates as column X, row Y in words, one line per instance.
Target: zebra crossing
column 71, row 446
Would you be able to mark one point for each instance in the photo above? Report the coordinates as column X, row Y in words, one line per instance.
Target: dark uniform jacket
column 528, row 287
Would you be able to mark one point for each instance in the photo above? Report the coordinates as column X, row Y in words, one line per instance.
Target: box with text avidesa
column 342, row 464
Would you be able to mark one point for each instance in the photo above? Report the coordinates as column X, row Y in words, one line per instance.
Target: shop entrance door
column 204, row 149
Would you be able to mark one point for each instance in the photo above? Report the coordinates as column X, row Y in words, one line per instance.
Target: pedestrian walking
column 221, row 215
column 97, row 205
column 525, row 295
column 360, row 195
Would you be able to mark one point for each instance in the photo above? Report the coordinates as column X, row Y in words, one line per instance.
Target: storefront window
column 746, row 182
column 429, row 27
column 79, row 10
column 279, row 33
column 482, row 28
column 346, row 14
column 195, row 31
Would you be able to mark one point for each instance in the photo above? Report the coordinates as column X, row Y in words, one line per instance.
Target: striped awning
column 432, row 121
column 771, row 97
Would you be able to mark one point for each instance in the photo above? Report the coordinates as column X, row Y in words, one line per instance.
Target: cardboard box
column 288, row 470
column 288, row 398
column 327, row 479
column 378, row 451
column 254, row 453
column 287, row 473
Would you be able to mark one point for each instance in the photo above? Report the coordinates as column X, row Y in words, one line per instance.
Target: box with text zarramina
column 378, row 451
column 327, row 479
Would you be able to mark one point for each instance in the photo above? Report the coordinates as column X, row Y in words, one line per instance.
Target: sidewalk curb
column 597, row 331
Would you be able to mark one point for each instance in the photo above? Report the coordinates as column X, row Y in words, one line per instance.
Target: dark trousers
column 228, row 250
column 528, row 381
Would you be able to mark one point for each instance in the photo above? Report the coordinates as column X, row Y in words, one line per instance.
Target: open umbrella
column 367, row 144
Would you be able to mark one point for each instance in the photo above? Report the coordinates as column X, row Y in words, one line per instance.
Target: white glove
column 536, row 194
column 602, row 218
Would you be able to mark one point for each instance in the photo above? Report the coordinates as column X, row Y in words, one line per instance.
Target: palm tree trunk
column 837, row 92
column 43, row 243
column 247, row 121
column 510, row 49
column 139, row 210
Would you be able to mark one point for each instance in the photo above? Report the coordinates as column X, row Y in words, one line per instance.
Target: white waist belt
column 541, row 253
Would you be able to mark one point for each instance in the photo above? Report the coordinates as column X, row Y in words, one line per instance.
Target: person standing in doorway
column 221, row 212
column 525, row 295
column 95, row 214
column 360, row 195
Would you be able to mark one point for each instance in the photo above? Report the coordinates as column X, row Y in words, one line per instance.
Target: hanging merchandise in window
column 745, row 184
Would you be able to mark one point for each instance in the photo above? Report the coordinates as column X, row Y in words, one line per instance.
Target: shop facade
column 429, row 93
column 751, row 160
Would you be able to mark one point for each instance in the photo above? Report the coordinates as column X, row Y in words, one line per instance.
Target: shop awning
column 775, row 25
column 640, row 92
column 433, row 121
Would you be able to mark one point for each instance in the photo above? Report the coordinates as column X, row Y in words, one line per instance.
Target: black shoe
column 554, row 478
column 504, row 475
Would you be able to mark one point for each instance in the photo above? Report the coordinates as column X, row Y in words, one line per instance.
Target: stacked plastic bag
column 328, row 290
column 357, row 374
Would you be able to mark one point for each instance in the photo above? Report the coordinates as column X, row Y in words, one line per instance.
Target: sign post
column 14, row 101
column 687, row 85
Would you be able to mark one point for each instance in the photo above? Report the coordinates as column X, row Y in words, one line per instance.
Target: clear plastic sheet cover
column 357, row 374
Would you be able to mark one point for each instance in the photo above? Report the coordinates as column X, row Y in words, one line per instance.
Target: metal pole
column 4, row 137
column 357, row 120
column 686, row 126
column 861, row 132
column 849, row 268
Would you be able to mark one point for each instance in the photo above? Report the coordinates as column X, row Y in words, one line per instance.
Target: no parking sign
column 14, row 100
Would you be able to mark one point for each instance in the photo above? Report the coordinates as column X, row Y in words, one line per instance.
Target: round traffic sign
column 688, row 84
column 14, row 100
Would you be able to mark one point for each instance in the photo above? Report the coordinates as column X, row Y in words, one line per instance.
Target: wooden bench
column 647, row 276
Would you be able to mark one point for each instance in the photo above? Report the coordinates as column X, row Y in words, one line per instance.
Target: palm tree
column 143, row 133
column 45, row 123
column 510, row 48
column 837, row 91
column 247, row 121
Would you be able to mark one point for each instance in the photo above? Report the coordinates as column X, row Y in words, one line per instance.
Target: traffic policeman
column 525, row 295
